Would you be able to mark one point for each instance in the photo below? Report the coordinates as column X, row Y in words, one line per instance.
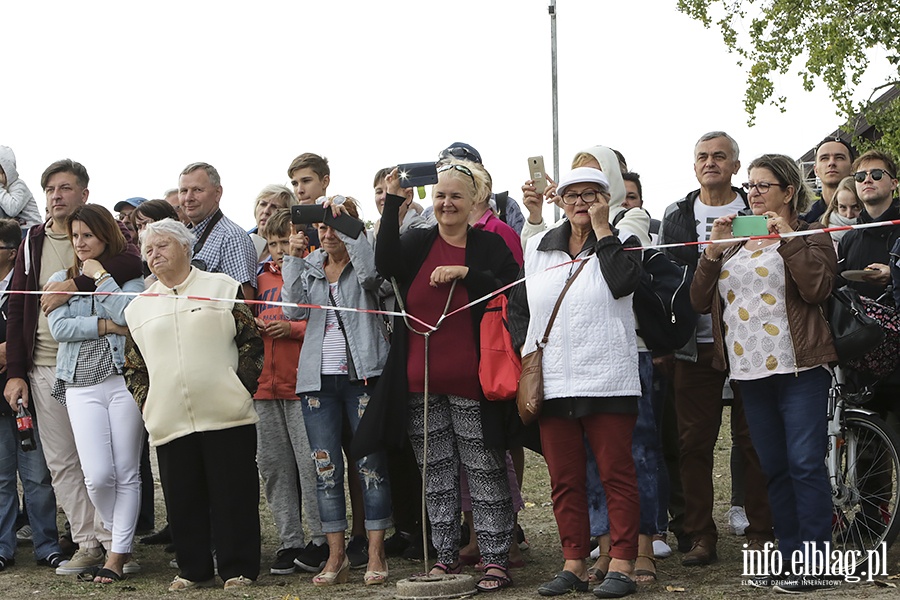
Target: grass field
column 720, row 580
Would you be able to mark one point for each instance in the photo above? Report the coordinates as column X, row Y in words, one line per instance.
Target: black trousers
column 211, row 486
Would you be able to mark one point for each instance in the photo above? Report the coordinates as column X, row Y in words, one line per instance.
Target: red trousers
column 609, row 436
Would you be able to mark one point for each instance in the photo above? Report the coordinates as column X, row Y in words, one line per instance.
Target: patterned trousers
column 454, row 437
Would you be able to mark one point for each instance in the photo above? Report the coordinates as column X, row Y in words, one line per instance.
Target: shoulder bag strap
column 559, row 300
column 209, row 227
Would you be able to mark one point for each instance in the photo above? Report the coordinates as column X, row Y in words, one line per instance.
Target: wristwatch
column 99, row 275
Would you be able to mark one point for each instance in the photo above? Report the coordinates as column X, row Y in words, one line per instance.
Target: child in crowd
column 281, row 432
column 16, row 201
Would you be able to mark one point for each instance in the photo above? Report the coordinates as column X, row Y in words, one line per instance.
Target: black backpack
column 662, row 302
column 502, row 199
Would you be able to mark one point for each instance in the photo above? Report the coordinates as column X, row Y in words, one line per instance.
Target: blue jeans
column 39, row 498
column 645, row 449
column 788, row 426
column 323, row 415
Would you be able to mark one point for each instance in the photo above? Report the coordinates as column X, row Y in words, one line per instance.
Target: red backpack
column 500, row 366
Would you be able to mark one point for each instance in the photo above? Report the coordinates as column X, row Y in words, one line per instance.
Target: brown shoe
column 701, row 554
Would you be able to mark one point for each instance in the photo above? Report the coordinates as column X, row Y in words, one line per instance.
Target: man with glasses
column 698, row 387
column 875, row 173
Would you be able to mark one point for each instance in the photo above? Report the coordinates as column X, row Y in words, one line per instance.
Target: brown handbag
column 530, row 393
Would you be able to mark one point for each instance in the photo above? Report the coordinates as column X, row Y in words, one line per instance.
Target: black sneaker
column 54, row 559
column 6, row 562
column 284, row 561
column 313, row 558
column 358, row 551
column 396, row 544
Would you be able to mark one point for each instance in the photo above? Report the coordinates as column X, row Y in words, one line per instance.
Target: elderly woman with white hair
column 192, row 366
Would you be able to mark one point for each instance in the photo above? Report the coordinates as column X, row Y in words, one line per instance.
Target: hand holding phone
column 749, row 225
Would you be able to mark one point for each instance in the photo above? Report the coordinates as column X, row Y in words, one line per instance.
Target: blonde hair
column 480, row 181
column 847, row 184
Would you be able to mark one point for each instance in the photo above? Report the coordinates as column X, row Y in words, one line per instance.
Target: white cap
column 582, row 175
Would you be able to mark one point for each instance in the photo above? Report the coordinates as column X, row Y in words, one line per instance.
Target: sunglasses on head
column 876, row 174
column 460, row 153
column 461, row 168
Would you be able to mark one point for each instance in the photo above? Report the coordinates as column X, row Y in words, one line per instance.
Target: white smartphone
column 536, row 173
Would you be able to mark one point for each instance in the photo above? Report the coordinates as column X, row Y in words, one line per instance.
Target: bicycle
column 863, row 462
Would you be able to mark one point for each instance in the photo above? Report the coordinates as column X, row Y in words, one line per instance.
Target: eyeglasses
column 762, row 187
column 461, row 168
column 876, row 174
column 587, row 196
column 461, row 153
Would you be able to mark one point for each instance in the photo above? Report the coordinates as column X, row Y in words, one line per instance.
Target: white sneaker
column 661, row 549
column 737, row 520
column 132, row 567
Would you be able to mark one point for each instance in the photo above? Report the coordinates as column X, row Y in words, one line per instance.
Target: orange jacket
column 278, row 380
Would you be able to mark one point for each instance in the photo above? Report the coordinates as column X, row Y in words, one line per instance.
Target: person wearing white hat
column 590, row 370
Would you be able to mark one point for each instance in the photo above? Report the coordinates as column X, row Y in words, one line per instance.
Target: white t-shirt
column 704, row 216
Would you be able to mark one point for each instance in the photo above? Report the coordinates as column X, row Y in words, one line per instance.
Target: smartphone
column 536, row 173
column 749, row 225
column 417, row 174
column 307, row 214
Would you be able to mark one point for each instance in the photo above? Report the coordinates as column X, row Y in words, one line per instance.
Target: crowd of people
column 238, row 384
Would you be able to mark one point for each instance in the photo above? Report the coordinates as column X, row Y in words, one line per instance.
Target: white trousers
column 108, row 426
column 61, row 455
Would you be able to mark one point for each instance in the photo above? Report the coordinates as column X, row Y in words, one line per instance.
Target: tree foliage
column 833, row 40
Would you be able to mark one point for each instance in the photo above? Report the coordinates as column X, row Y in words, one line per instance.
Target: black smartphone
column 307, row 214
column 417, row 174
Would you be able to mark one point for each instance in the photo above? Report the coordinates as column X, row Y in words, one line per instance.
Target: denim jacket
column 359, row 283
column 73, row 323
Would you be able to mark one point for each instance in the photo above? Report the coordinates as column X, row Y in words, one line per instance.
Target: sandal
column 597, row 574
column 513, row 564
column 502, row 581
column 645, row 575
column 447, row 569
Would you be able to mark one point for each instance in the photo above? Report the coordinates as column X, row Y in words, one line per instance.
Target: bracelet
column 104, row 327
column 101, row 279
column 711, row 259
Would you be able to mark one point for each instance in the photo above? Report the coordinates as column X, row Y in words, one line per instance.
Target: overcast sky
column 136, row 91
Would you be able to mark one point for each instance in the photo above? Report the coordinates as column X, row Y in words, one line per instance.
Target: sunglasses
column 876, row 174
column 461, row 168
column 461, row 153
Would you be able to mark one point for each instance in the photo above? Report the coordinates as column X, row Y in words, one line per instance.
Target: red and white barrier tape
column 465, row 307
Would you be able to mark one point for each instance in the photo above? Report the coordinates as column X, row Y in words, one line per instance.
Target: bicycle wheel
column 866, row 494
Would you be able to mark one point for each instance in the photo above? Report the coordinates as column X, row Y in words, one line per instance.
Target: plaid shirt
column 228, row 249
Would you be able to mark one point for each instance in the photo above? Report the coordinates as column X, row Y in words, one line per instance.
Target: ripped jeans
column 323, row 412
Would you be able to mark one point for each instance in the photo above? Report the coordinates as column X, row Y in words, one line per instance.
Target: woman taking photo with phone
column 342, row 357
column 463, row 428
column 105, row 420
column 766, row 298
